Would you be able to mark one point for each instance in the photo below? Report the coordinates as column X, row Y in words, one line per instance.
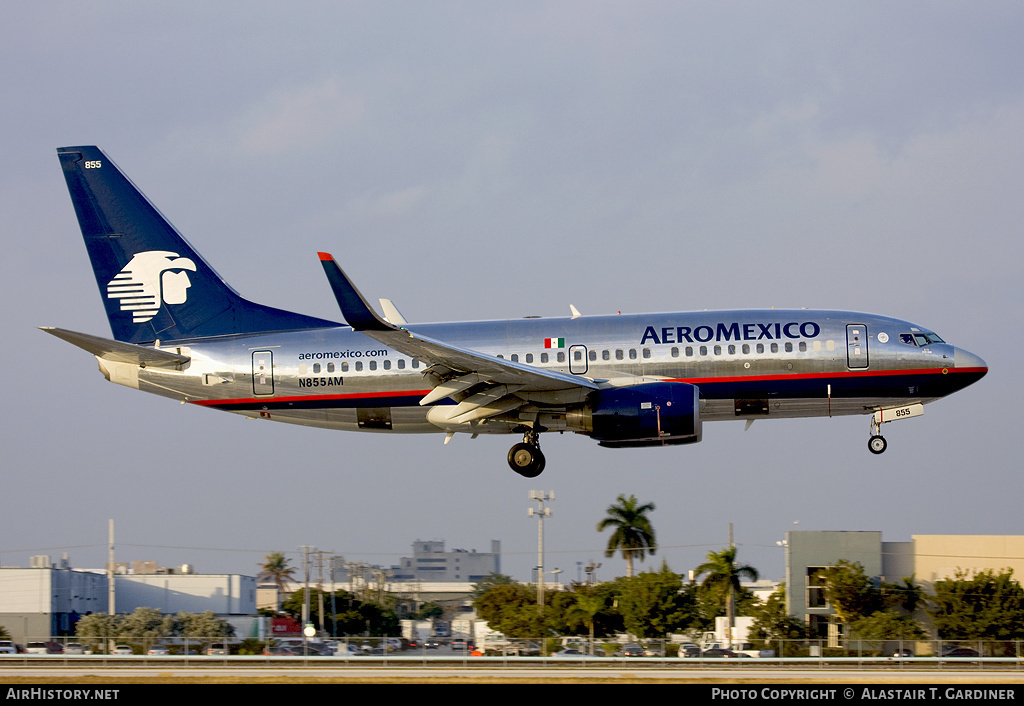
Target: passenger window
column 529, row 357
column 316, row 368
column 775, row 348
column 703, row 350
column 401, row 363
column 560, row 357
column 514, row 357
column 330, row 367
column 359, row 366
column 373, row 365
column 618, row 355
column 718, row 350
column 592, row 355
column 632, row 353
column 647, row 352
column 789, row 347
column 606, row 355
column 689, row 351
column 732, row 350
column 746, row 349
column 415, row 363
column 760, row 348
column 675, row 352
column 344, row 367
column 803, row 346
column 387, row 365
column 543, row 357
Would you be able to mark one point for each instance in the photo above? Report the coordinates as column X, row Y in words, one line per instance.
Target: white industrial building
column 47, row 600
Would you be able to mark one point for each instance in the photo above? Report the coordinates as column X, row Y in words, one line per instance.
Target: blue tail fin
column 154, row 285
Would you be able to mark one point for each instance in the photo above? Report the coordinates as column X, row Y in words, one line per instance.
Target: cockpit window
column 920, row 339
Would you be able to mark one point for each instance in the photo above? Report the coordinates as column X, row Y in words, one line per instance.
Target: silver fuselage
column 747, row 364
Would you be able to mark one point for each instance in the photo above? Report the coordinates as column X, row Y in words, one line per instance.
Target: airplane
column 624, row 380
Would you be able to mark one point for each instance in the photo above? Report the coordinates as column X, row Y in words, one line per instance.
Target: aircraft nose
column 964, row 359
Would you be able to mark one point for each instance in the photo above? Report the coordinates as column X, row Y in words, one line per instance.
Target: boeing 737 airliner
column 626, row 380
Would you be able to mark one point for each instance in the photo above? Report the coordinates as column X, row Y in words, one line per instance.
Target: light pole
column 540, row 496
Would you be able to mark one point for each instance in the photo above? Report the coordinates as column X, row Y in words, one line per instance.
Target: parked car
column 217, row 648
column 570, row 653
column 74, row 648
column 158, row 650
column 715, row 652
column 632, row 650
column 689, row 651
column 960, row 652
column 903, row 653
column 123, row 650
column 7, row 647
column 36, row 648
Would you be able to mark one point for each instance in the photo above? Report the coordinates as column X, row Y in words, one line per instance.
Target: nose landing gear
column 526, row 458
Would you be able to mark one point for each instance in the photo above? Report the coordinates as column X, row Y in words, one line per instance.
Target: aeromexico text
column 734, row 331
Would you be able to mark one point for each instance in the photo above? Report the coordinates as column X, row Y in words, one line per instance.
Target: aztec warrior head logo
column 147, row 280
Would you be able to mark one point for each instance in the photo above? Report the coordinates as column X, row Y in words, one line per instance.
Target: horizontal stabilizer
column 118, row 351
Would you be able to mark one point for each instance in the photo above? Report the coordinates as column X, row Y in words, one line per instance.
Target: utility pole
column 539, row 496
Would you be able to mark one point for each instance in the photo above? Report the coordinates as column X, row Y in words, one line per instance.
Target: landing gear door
column 856, row 346
column 262, row 373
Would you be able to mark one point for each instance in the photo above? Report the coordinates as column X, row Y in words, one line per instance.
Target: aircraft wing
column 119, row 351
column 457, row 368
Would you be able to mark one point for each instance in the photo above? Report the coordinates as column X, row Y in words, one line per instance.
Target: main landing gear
column 526, row 458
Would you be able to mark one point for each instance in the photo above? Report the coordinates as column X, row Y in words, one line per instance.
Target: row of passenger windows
column 592, row 356
column 358, row 366
column 688, row 351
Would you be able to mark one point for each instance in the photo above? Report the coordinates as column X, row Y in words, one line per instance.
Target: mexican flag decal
column 554, row 343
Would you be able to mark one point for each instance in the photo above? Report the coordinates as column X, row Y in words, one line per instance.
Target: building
column 928, row 558
column 430, row 562
column 38, row 603
column 47, row 600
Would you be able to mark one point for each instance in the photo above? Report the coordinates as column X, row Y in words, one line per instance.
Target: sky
column 498, row 160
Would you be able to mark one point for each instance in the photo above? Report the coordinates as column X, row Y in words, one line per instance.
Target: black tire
column 526, row 460
column 877, row 444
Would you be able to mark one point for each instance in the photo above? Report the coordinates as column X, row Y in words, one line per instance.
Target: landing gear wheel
column 526, row 460
column 877, row 444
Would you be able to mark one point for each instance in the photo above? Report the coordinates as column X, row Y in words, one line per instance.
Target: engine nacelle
column 652, row 414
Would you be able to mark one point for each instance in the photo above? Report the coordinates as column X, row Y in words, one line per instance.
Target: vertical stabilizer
column 153, row 283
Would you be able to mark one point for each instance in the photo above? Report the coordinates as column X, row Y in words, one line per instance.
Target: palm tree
column 723, row 577
column 633, row 535
column 275, row 568
column 586, row 609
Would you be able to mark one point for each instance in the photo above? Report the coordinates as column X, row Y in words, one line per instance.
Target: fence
column 571, row 648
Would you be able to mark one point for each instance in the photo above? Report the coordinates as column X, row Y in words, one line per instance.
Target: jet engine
column 651, row 414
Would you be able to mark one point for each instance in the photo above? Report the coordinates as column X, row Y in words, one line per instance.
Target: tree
column 653, row 603
column 585, row 609
column 633, row 534
column 276, row 569
column 851, row 593
column 985, row 606
column 775, row 627
column 723, row 579
column 511, row 609
column 489, row 581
